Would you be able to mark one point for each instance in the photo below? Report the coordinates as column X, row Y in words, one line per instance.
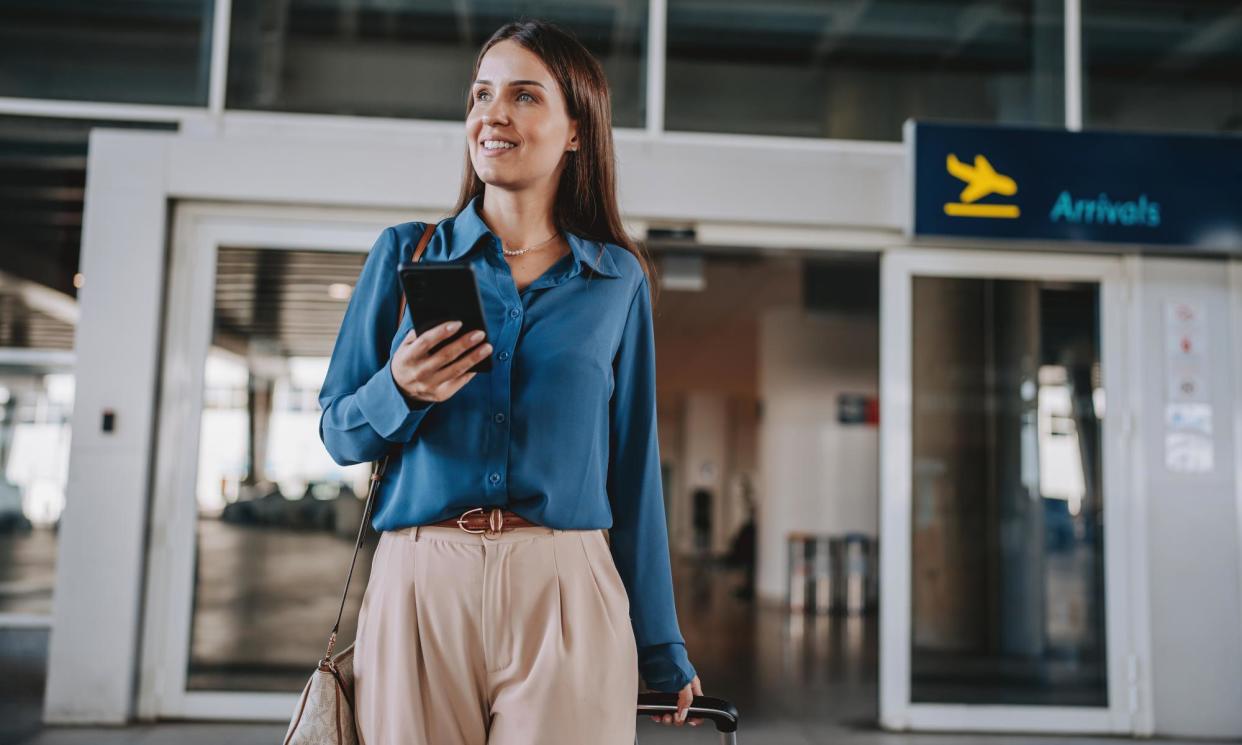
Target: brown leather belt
column 491, row 523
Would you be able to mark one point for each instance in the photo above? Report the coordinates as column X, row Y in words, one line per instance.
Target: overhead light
column 683, row 272
column 339, row 291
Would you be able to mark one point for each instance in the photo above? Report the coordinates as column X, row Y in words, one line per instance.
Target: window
column 411, row 60
column 1163, row 64
column 856, row 70
column 120, row 51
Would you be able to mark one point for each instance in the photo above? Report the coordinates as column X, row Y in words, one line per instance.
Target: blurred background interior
column 770, row 355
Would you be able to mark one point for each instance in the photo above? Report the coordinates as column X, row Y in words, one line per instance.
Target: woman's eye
column 479, row 95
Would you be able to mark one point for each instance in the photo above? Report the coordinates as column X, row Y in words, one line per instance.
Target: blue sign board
column 1050, row 184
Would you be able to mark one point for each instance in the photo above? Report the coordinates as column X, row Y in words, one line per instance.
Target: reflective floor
column 265, row 600
column 795, row 681
column 27, row 570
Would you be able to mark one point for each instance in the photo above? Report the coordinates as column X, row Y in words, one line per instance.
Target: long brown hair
column 586, row 197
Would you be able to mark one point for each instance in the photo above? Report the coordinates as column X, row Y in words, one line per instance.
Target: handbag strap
column 377, row 472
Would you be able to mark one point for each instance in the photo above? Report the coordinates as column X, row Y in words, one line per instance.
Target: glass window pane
column 409, row 59
column 1007, row 539
column 277, row 517
column 124, row 51
column 856, row 69
column 1163, row 64
column 36, row 404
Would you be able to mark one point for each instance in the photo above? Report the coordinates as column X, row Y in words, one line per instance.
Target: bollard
column 810, row 573
column 796, row 590
column 855, row 580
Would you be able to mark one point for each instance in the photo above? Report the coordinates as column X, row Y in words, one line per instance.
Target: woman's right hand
column 422, row 376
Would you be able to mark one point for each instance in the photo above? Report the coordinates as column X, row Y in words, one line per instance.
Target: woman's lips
column 492, row 153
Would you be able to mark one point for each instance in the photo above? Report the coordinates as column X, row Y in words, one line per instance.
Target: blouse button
column 494, row 478
column 514, row 313
column 503, row 356
column 500, row 417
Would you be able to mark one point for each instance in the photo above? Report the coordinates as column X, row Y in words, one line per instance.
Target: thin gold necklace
column 520, row 251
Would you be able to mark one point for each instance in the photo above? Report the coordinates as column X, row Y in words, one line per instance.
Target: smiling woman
column 541, row 624
column 515, row 105
column 505, row 115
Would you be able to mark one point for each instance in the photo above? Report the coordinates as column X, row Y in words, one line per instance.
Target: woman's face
column 517, row 101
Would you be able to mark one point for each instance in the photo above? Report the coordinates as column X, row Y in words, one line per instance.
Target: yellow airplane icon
column 981, row 180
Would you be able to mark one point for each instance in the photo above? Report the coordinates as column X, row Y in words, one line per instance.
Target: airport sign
column 976, row 181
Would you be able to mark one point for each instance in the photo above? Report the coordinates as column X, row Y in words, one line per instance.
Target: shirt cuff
column 386, row 408
column 665, row 667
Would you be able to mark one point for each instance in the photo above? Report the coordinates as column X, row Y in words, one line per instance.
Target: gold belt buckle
column 495, row 522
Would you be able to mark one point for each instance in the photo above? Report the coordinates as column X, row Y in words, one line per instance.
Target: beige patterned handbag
column 325, row 710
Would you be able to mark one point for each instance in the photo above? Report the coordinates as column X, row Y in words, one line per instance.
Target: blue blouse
column 562, row 430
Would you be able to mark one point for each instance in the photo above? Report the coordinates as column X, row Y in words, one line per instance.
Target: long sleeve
column 639, row 534
column 364, row 412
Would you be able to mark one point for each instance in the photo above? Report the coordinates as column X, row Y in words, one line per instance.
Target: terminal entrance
column 1002, row 595
column 964, row 527
column 756, row 350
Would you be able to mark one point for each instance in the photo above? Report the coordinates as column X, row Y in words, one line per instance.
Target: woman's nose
column 497, row 111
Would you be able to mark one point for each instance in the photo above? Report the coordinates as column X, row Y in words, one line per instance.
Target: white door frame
column 1122, row 547
column 199, row 230
column 1235, row 315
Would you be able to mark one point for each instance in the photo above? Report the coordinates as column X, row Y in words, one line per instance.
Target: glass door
column 1003, row 500
column 253, row 522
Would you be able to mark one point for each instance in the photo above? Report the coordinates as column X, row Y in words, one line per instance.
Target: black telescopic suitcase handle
column 723, row 713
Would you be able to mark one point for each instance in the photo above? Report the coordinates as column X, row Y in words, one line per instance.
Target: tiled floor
column 794, row 680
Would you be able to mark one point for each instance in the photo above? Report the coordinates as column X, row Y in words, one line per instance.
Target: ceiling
column 42, row 182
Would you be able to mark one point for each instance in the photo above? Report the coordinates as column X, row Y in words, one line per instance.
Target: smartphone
column 435, row 293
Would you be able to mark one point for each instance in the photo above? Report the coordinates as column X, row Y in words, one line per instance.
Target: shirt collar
column 469, row 229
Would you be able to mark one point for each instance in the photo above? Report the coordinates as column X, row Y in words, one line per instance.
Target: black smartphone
column 435, row 293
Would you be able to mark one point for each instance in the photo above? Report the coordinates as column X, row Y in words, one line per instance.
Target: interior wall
column 707, row 359
column 743, row 470
column 706, row 445
column 1195, row 588
column 815, row 474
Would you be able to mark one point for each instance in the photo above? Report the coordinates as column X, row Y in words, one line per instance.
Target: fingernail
column 476, row 336
column 453, row 326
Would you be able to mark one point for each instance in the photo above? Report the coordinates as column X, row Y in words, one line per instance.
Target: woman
column 498, row 610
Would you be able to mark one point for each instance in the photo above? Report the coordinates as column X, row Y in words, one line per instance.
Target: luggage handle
column 721, row 712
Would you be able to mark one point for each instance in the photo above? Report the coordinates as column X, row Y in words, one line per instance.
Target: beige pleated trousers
column 523, row 638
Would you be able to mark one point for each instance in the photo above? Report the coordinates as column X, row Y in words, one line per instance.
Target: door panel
column 1003, row 606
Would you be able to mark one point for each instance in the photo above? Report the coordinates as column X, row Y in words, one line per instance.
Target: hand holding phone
column 436, row 293
column 428, row 376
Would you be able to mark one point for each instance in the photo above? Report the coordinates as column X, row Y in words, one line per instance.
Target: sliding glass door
column 1004, row 604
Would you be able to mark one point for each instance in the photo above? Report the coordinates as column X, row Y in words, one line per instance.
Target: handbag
column 325, row 711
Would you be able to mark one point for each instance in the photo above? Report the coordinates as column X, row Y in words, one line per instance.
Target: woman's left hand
column 684, row 697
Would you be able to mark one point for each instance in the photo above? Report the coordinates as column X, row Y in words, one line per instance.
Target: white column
column 94, row 644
